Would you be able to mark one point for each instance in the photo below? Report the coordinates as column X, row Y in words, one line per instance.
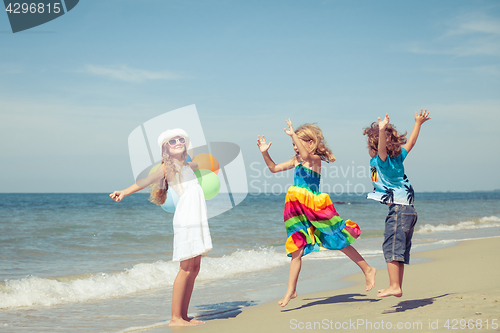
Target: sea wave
column 326, row 255
column 34, row 290
column 477, row 223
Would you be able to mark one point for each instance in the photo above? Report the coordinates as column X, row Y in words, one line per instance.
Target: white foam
column 42, row 291
column 145, row 328
column 488, row 219
column 326, row 255
column 240, row 262
column 484, row 222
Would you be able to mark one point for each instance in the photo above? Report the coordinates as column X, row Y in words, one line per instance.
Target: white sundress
column 191, row 233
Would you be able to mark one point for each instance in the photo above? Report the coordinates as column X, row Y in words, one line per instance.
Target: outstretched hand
column 422, row 117
column 117, row 196
column 290, row 131
column 382, row 124
column 263, row 146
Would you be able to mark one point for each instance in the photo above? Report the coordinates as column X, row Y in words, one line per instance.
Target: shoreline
column 455, row 288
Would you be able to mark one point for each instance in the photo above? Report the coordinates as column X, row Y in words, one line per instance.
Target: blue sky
column 73, row 89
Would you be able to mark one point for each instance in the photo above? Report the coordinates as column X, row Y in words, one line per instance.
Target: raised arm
column 420, row 118
column 139, row 185
column 273, row 167
column 382, row 139
column 303, row 152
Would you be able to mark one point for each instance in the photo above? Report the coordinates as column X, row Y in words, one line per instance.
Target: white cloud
column 481, row 118
column 488, row 71
column 470, row 35
column 45, row 128
column 127, row 74
column 474, row 23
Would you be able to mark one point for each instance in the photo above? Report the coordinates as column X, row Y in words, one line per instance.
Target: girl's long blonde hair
column 308, row 132
column 394, row 139
column 159, row 189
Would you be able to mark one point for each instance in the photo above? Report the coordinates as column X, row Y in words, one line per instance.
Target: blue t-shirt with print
column 390, row 184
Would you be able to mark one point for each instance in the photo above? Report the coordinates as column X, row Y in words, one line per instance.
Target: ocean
column 81, row 262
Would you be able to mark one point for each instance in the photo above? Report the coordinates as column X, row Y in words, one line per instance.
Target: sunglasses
column 173, row 142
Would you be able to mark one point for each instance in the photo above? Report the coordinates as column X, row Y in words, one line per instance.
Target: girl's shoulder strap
column 324, row 158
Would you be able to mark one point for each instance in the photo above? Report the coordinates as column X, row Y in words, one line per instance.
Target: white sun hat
column 169, row 134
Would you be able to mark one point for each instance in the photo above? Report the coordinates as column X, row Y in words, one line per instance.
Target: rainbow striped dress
column 311, row 220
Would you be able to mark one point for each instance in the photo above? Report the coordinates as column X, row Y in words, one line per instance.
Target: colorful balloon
column 207, row 162
column 209, row 182
column 171, row 202
column 172, row 197
column 154, row 168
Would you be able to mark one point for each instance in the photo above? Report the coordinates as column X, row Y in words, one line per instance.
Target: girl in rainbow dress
column 311, row 220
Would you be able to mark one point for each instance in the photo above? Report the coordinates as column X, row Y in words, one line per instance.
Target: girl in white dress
column 191, row 233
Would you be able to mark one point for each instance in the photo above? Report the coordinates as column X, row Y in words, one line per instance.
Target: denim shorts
column 399, row 225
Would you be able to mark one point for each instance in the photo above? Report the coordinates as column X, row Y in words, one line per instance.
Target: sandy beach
column 456, row 290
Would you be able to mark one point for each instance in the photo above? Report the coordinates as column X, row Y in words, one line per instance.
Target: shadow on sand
column 345, row 298
column 412, row 304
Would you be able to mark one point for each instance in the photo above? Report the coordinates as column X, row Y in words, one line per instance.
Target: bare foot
column 180, row 322
column 370, row 278
column 195, row 321
column 284, row 301
column 390, row 292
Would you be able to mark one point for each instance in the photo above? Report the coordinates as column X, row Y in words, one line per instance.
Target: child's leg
column 195, row 269
column 183, row 287
column 401, row 272
column 369, row 271
column 396, row 270
column 293, row 276
column 400, row 224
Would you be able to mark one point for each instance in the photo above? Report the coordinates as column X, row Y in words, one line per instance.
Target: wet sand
column 456, row 290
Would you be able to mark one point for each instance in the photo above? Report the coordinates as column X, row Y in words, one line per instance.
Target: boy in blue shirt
column 388, row 150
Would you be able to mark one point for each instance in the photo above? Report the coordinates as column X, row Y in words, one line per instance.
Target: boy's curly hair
column 394, row 139
column 312, row 132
